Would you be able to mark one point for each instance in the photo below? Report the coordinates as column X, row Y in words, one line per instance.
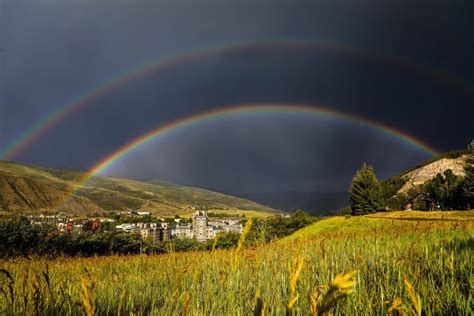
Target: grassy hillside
column 383, row 223
column 415, row 261
column 37, row 189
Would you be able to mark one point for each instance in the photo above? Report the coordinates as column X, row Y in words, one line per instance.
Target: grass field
column 422, row 264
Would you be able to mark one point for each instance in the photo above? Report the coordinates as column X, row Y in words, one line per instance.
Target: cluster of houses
column 201, row 228
column 156, row 231
column 64, row 223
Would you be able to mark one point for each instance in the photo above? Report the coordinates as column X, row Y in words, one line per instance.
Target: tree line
column 446, row 191
column 18, row 237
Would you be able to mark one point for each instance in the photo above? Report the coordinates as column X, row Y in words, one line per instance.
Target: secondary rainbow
column 28, row 136
column 311, row 110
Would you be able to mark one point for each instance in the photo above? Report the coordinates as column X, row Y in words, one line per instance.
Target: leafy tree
column 265, row 230
column 91, row 226
column 225, row 240
column 391, row 186
column 124, row 243
column 155, row 248
column 467, row 184
column 346, row 210
column 186, row 244
column 107, row 226
column 366, row 192
column 445, row 189
column 19, row 238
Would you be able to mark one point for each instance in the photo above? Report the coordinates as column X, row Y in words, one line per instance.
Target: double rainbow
column 27, row 137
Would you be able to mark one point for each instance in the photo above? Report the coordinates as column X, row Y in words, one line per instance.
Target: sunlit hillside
column 384, row 223
column 410, row 262
column 36, row 189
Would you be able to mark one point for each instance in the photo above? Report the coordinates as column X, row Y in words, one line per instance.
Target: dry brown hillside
column 27, row 194
column 423, row 174
column 35, row 189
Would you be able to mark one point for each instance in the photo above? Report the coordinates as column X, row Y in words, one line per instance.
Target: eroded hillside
column 423, row 174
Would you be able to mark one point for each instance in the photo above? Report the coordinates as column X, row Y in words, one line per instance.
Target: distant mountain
column 36, row 189
column 315, row 203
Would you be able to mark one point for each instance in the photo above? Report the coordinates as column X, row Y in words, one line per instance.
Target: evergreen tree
column 445, row 189
column 366, row 192
column 467, row 185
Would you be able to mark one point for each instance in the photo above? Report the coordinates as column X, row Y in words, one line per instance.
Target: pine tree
column 467, row 185
column 366, row 192
column 445, row 189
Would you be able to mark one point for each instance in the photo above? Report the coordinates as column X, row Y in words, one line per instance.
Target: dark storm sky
column 53, row 51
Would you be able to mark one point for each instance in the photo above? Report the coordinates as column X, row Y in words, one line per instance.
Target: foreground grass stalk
column 415, row 298
column 268, row 280
column 295, row 269
column 340, row 288
column 398, row 307
column 260, row 308
column 86, row 297
column 244, row 234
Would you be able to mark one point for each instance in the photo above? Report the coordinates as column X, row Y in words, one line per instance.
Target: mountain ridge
column 25, row 188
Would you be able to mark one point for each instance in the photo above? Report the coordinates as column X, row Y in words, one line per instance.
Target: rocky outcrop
column 421, row 175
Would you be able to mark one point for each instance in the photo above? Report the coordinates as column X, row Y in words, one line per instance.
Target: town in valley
column 200, row 227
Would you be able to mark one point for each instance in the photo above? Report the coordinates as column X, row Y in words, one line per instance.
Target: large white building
column 200, row 229
column 182, row 231
column 148, row 230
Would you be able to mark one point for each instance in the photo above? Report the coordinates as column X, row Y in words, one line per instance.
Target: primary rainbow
column 41, row 126
column 230, row 111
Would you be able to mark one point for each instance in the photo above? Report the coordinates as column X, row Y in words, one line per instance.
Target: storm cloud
column 55, row 51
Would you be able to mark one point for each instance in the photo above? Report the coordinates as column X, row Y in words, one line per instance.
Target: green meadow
column 413, row 263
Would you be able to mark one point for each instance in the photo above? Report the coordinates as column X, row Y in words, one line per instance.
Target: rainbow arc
column 244, row 109
column 35, row 131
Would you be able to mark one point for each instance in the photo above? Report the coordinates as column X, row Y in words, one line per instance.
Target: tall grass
column 391, row 266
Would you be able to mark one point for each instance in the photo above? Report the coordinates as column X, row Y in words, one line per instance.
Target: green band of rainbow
column 309, row 110
column 41, row 126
